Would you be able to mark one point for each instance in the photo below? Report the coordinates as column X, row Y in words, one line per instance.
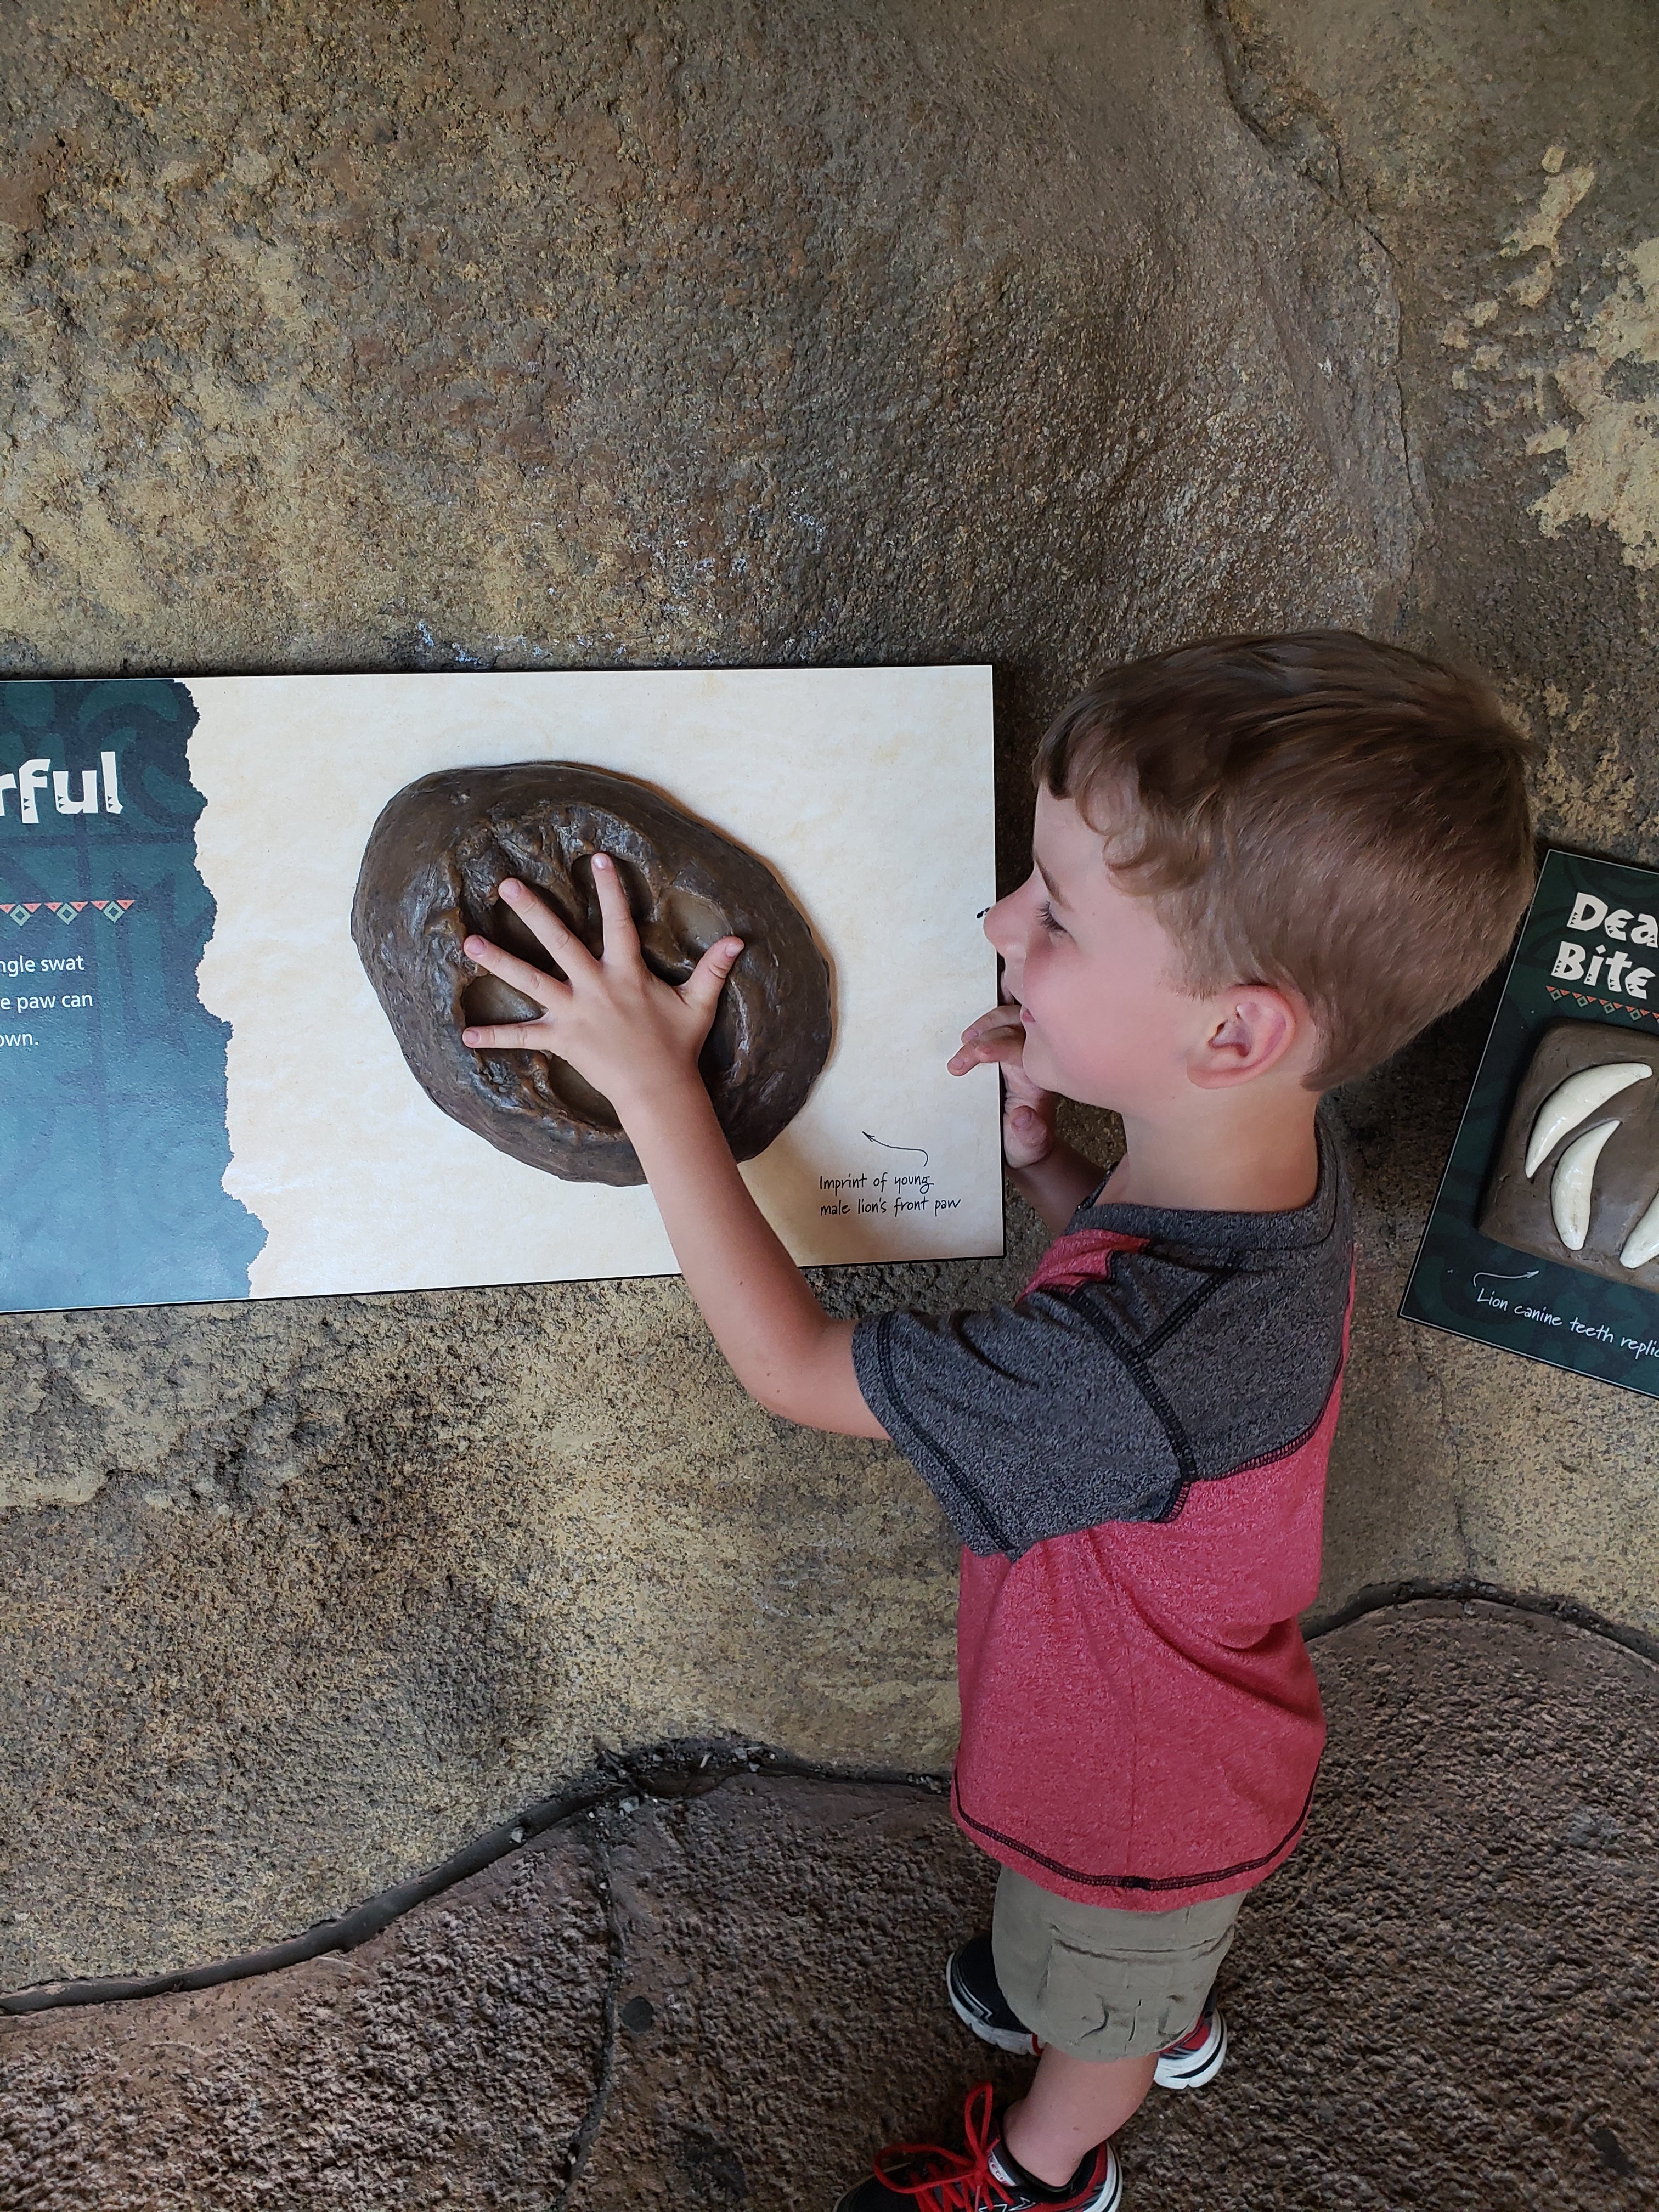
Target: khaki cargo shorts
column 1098, row 1982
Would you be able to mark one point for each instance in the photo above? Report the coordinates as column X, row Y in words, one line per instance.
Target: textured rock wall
column 424, row 334
column 1474, row 1907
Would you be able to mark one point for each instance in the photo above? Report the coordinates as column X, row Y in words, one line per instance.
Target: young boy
column 1261, row 866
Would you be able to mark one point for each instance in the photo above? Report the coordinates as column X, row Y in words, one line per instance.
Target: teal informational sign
column 1555, row 1142
column 112, row 1072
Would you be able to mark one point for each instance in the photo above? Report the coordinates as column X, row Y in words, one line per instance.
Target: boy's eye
column 1046, row 921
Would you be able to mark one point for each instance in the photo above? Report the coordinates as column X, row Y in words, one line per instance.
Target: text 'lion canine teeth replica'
column 1599, row 1207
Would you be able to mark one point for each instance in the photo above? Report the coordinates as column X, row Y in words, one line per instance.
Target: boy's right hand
column 1028, row 1113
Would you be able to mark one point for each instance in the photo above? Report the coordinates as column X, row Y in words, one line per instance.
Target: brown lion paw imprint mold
column 1577, row 1178
column 430, row 877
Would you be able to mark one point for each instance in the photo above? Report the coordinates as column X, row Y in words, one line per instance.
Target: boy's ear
column 1246, row 1031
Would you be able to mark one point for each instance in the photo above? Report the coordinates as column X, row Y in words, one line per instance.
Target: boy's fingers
column 617, row 918
column 1002, row 1045
column 702, row 986
column 545, row 926
column 526, row 1036
column 999, row 1017
column 533, row 981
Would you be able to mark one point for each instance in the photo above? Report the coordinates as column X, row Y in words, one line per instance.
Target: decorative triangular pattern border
column 1607, row 1006
column 67, row 910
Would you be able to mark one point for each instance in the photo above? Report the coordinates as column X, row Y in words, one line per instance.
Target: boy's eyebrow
column 1057, row 897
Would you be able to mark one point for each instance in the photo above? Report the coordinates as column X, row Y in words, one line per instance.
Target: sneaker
column 925, row 2177
column 1199, row 2057
column 976, row 1998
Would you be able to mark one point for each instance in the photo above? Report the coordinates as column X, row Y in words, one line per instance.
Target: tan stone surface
column 1442, row 2001
column 366, row 1581
column 354, row 336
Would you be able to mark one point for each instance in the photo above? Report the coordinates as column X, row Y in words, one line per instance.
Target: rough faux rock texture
column 817, row 1949
column 668, row 333
column 357, row 336
column 453, row 2060
column 367, row 1582
column 1411, row 2001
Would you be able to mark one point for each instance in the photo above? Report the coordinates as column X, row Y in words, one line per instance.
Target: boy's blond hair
column 1336, row 818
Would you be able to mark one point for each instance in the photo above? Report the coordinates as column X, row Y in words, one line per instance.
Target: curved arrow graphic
column 886, row 1147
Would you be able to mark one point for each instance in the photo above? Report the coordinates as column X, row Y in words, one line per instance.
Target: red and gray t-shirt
column 1134, row 1455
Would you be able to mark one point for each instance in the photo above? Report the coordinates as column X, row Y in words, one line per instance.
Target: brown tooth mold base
column 1517, row 1210
column 430, row 877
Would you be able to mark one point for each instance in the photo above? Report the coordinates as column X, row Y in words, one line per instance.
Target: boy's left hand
column 1027, row 1110
column 623, row 1028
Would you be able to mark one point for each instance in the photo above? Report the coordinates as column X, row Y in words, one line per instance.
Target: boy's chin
column 1041, row 1066
column 1035, row 1063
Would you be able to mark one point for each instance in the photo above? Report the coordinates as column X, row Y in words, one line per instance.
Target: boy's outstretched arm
column 782, row 1346
column 636, row 1039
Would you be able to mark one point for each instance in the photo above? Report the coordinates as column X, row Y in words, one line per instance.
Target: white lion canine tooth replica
column 1566, row 1106
column 1571, row 1184
column 1556, row 1186
column 1643, row 1243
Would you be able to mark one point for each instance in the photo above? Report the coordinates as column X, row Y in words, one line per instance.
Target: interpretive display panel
column 1545, row 1235
column 231, row 989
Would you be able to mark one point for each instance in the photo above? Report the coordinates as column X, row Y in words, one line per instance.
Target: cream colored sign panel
column 867, row 793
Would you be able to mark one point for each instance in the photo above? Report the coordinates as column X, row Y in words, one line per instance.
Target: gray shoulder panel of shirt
column 1234, row 1321
column 1191, row 1359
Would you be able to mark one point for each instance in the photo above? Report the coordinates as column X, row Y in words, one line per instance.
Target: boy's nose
column 997, row 925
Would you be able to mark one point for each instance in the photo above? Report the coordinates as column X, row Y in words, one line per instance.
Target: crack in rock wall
column 415, row 335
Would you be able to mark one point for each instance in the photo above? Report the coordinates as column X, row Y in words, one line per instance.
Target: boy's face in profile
column 1094, row 973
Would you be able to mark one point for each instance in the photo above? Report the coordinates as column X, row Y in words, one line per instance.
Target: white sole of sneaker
column 1021, row 2040
column 1192, row 2069
column 1111, row 2194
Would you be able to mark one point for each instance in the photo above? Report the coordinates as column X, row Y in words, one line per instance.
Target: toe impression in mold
column 431, row 876
column 1573, row 1102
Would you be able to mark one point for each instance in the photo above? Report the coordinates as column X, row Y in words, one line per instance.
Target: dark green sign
column 1569, row 966
column 112, row 1071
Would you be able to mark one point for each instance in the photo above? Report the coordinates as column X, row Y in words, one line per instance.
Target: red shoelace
column 950, row 2180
